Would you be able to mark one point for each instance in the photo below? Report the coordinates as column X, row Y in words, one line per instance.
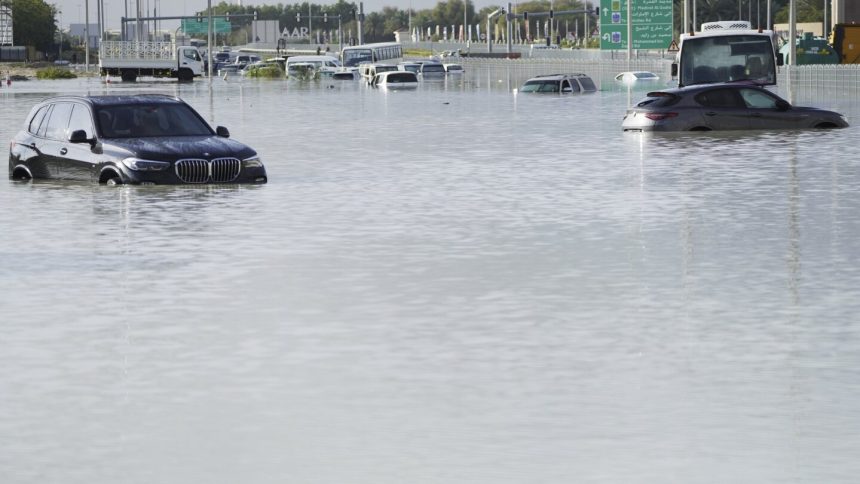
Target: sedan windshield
column 150, row 120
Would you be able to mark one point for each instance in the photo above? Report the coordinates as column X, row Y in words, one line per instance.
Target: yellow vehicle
column 845, row 39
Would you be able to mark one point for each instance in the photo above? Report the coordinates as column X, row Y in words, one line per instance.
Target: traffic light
column 298, row 17
column 526, row 16
column 200, row 17
column 255, row 15
column 597, row 11
column 550, row 14
column 227, row 16
column 325, row 17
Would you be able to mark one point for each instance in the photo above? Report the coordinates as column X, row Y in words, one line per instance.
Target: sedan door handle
column 710, row 113
column 64, row 151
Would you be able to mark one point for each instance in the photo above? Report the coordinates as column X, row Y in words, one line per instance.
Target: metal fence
column 804, row 83
column 602, row 71
column 13, row 54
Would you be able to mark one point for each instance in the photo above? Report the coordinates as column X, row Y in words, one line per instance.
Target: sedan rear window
column 658, row 100
column 149, row 120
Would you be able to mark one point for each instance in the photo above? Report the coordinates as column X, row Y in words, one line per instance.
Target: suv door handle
column 64, row 151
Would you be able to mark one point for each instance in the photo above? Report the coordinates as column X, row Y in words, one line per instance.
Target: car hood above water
column 178, row 147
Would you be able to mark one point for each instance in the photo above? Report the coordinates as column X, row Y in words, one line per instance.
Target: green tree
column 806, row 12
column 33, row 23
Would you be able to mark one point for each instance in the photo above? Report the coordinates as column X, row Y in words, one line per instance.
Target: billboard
column 5, row 26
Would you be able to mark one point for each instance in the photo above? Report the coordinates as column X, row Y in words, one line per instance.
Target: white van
column 369, row 71
column 324, row 64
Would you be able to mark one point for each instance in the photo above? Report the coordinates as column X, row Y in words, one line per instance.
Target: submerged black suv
column 142, row 139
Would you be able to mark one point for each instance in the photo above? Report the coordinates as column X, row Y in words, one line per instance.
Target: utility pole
column 360, row 20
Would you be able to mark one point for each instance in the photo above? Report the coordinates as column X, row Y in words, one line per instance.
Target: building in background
column 5, row 26
column 265, row 33
column 78, row 31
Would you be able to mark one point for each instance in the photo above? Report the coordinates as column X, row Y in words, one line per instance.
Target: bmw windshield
column 150, row 120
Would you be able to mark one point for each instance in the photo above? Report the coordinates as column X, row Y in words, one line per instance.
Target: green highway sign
column 201, row 26
column 652, row 24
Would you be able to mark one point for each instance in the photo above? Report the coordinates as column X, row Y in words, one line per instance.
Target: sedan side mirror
column 782, row 105
column 222, row 132
column 80, row 136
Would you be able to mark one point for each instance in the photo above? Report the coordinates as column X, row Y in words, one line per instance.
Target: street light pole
column 209, row 41
column 87, row 35
column 465, row 22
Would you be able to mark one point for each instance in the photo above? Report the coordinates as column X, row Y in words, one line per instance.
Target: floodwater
column 457, row 284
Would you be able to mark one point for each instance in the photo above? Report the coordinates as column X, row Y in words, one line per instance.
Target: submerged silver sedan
column 723, row 107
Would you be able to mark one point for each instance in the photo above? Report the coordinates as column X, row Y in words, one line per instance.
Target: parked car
column 238, row 63
column 142, row 139
column 410, row 66
column 728, row 106
column 636, row 76
column 325, row 65
column 432, row 69
column 559, row 84
column 395, row 80
column 454, row 68
column 345, row 75
column 368, row 70
column 219, row 59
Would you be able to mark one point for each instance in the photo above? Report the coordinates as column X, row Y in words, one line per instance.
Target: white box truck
column 130, row 59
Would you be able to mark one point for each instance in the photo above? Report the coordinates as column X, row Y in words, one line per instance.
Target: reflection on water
column 451, row 284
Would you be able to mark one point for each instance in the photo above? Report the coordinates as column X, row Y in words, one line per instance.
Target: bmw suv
column 141, row 139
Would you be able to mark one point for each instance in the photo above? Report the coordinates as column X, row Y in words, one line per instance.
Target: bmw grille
column 219, row 170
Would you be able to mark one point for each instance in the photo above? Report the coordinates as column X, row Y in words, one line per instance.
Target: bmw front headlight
column 137, row 164
column 252, row 162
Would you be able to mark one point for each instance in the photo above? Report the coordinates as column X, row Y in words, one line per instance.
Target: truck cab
column 189, row 58
column 725, row 52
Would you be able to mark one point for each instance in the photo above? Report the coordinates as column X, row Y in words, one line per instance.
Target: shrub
column 55, row 73
column 271, row 72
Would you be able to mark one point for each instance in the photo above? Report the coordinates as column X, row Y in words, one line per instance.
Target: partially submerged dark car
column 142, row 139
column 724, row 106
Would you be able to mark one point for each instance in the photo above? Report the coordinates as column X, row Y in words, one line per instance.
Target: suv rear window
column 587, row 84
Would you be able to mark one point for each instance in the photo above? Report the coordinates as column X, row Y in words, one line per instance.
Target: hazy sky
column 73, row 10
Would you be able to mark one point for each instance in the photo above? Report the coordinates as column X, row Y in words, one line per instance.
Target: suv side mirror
column 222, row 132
column 80, row 136
column 780, row 59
